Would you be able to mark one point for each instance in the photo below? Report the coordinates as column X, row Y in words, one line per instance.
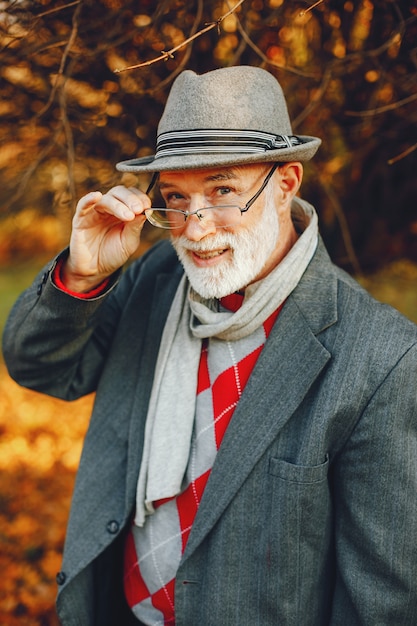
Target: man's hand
column 105, row 233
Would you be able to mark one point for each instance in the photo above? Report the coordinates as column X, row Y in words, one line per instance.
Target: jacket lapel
column 290, row 362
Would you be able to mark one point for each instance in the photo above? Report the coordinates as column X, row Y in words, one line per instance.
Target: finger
column 120, row 207
column 134, row 199
column 123, row 203
column 142, row 197
column 88, row 201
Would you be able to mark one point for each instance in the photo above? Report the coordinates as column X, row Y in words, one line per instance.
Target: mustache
column 220, row 240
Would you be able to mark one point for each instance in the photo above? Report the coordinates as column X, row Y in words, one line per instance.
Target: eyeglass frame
column 188, row 214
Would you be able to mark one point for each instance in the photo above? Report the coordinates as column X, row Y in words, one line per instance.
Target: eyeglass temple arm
column 264, row 184
column 152, row 183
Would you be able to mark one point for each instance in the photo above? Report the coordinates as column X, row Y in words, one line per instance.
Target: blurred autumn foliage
column 40, row 445
column 349, row 69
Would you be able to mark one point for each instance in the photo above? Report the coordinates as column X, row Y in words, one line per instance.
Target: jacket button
column 39, row 289
column 113, row 527
column 61, row 577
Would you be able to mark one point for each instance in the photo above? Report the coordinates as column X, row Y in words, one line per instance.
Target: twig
column 331, row 69
column 310, row 8
column 315, row 100
column 186, row 56
column 265, row 59
column 63, row 106
column 14, row 38
column 61, row 8
column 169, row 54
column 24, row 180
column 383, row 109
column 65, row 54
column 347, row 239
column 64, row 126
column 70, row 144
column 402, row 155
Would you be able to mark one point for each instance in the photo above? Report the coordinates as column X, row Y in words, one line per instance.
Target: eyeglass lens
column 223, row 216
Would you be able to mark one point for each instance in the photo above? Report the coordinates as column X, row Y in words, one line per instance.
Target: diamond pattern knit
column 153, row 552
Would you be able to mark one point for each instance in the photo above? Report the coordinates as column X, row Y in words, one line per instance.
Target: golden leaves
column 39, row 453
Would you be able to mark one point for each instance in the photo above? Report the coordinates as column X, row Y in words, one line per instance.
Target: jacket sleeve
column 56, row 343
column 375, row 487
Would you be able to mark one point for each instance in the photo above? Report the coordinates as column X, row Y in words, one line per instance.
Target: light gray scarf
column 171, row 410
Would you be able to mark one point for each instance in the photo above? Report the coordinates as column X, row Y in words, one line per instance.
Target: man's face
column 220, row 261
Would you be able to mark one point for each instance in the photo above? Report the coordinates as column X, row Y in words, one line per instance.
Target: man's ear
column 290, row 177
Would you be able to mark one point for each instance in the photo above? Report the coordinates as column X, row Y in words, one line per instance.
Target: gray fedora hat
column 225, row 117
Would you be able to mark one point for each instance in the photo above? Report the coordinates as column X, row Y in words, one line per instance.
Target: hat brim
column 303, row 152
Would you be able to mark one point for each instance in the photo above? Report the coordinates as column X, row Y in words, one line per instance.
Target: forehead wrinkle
column 223, row 174
column 234, row 173
column 228, row 174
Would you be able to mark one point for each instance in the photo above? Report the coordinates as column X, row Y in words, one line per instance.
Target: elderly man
column 252, row 454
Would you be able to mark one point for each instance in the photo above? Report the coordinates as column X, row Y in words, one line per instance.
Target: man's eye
column 223, row 191
column 174, row 200
column 174, row 196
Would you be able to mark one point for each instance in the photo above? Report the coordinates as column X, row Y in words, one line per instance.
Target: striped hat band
column 221, row 141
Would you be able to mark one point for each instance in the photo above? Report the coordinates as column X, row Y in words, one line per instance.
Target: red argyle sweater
column 153, row 553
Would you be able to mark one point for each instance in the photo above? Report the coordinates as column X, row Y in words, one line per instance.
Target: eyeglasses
column 223, row 215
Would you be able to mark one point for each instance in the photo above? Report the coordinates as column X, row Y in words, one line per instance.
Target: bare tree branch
column 163, row 83
column 56, row 9
column 58, row 79
column 388, row 107
column 70, row 144
column 337, row 64
column 268, row 61
column 338, row 209
column 310, row 8
column 63, row 126
column 315, row 99
column 169, row 54
column 402, row 155
column 27, row 175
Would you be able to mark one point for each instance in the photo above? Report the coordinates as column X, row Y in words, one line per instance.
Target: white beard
column 249, row 249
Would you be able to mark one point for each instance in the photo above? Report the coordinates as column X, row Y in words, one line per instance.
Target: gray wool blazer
column 309, row 517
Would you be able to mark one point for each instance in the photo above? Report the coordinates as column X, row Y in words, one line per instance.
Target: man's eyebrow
column 162, row 185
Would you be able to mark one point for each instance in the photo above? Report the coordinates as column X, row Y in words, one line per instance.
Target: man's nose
column 199, row 225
